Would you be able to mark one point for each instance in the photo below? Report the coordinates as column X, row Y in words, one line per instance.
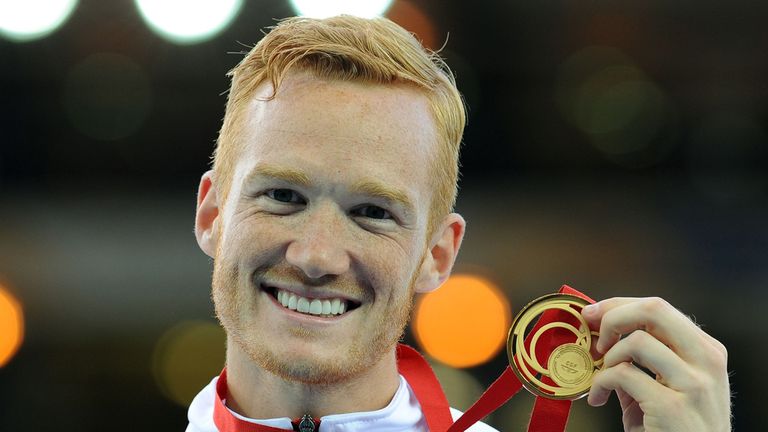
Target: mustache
column 290, row 275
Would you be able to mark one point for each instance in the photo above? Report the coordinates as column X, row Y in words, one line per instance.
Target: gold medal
column 569, row 365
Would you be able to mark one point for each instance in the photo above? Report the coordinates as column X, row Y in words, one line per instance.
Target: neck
column 260, row 394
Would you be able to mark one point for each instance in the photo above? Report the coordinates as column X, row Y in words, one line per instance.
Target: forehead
column 338, row 130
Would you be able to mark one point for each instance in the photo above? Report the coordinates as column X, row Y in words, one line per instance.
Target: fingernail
column 596, row 403
column 597, row 399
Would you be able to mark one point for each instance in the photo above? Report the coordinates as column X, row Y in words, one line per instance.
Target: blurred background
column 618, row 147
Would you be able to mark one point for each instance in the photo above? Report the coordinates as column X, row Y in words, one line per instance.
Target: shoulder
column 477, row 427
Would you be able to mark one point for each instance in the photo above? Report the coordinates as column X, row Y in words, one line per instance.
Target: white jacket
column 402, row 414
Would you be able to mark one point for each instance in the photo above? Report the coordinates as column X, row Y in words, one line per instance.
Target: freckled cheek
column 386, row 269
column 253, row 243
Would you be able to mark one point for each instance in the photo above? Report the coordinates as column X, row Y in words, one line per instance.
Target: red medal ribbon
column 226, row 421
column 548, row 415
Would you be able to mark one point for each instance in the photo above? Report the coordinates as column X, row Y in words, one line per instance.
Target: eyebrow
column 384, row 192
column 288, row 175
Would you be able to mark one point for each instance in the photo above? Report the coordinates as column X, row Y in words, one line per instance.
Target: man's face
column 327, row 214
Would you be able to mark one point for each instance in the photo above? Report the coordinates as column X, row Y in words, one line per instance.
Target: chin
column 310, row 367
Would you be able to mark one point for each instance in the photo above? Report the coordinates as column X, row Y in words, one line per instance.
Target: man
column 330, row 205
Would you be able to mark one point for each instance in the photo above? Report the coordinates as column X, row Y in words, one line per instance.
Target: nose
column 320, row 248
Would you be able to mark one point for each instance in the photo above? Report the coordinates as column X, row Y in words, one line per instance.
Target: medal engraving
column 553, row 360
column 570, row 365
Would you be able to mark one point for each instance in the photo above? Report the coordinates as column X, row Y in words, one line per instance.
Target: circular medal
column 552, row 358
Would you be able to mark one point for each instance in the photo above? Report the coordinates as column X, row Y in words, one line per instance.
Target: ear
column 207, row 216
column 443, row 249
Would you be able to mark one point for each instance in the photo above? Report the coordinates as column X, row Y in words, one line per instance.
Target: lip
column 265, row 286
column 301, row 291
column 269, row 288
column 306, row 318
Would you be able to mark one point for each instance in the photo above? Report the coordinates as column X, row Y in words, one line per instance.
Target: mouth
column 330, row 307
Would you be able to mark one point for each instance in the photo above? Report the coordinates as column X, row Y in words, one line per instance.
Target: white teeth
column 316, row 307
column 323, row 307
column 302, row 305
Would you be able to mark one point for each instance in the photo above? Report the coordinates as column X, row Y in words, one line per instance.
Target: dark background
column 619, row 147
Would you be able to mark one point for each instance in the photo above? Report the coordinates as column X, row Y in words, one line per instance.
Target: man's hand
column 691, row 390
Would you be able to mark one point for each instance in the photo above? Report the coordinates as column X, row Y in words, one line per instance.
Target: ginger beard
column 234, row 301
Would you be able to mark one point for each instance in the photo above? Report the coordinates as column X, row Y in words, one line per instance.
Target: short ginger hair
column 348, row 48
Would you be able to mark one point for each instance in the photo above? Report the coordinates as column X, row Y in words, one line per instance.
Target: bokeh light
column 188, row 21
column 464, row 323
column 107, row 96
column 412, row 18
column 329, row 8
column 26, row 20
column 187, row 357
column 607, row 96
column 11, row 326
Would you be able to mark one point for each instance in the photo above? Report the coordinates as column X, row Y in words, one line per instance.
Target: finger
column 628, row 378
column 643, row 349
column 632, row 414
column 619, row 316
column 625, row 399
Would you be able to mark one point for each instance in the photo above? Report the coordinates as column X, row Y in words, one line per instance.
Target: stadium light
column 26, row 20
column 327, row 8
column 188, row 21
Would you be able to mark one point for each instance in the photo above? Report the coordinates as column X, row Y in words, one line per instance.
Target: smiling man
column 328, row 207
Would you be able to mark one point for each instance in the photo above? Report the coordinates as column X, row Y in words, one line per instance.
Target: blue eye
column 285, row 196
column 373, row 212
